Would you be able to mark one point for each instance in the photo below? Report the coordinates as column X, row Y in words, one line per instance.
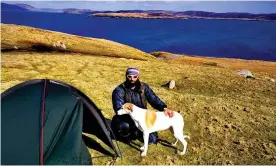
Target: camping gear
column 170, row 84
column 125, row 130
column 246, row 73
column 42, row 123
column 124, row 127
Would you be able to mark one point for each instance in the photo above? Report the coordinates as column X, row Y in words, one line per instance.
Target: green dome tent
column 42, row 123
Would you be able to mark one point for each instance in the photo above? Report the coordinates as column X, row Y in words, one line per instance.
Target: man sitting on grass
column 138, row 93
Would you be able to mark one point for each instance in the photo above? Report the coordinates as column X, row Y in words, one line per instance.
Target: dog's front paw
column 142, row 148
column 143, row 154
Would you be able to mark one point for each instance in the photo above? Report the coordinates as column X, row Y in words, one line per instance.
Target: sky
column 211, row 6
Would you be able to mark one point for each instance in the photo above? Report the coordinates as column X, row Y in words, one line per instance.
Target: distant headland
column 162, row 14
column 145, row 14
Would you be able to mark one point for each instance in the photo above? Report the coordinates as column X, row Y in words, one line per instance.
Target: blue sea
column 212, row 38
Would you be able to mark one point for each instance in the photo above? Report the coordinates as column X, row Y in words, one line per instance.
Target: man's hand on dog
column 168, row 112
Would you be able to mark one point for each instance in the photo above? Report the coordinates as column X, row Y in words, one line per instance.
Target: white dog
column 151, row 121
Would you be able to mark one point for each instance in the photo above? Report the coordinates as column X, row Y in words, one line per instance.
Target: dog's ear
column 128, row 106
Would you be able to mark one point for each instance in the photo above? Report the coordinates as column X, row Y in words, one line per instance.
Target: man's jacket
column 122, row 94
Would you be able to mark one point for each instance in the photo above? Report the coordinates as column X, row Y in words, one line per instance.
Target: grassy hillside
column 230, row 119
column 28, row 38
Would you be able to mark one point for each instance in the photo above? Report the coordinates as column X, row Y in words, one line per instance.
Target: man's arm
column 153, row 99
column 156, row 102
column 118, row 99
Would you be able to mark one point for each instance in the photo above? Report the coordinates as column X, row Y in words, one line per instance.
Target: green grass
column 211, row 99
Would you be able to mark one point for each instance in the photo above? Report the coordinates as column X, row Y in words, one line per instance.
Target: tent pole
column 41, row 149
column 120, row 155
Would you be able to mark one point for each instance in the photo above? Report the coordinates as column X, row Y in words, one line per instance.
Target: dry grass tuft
column 166, row 55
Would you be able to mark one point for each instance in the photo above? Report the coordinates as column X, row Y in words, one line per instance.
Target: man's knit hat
column 132, row 71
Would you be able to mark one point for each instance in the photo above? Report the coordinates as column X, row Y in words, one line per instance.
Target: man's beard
column 129, row 84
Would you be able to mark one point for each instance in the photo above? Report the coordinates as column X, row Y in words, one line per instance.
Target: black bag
column 124, row 128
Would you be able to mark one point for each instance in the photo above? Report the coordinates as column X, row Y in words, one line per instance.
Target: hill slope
column 8, row 7
column 16, row 38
